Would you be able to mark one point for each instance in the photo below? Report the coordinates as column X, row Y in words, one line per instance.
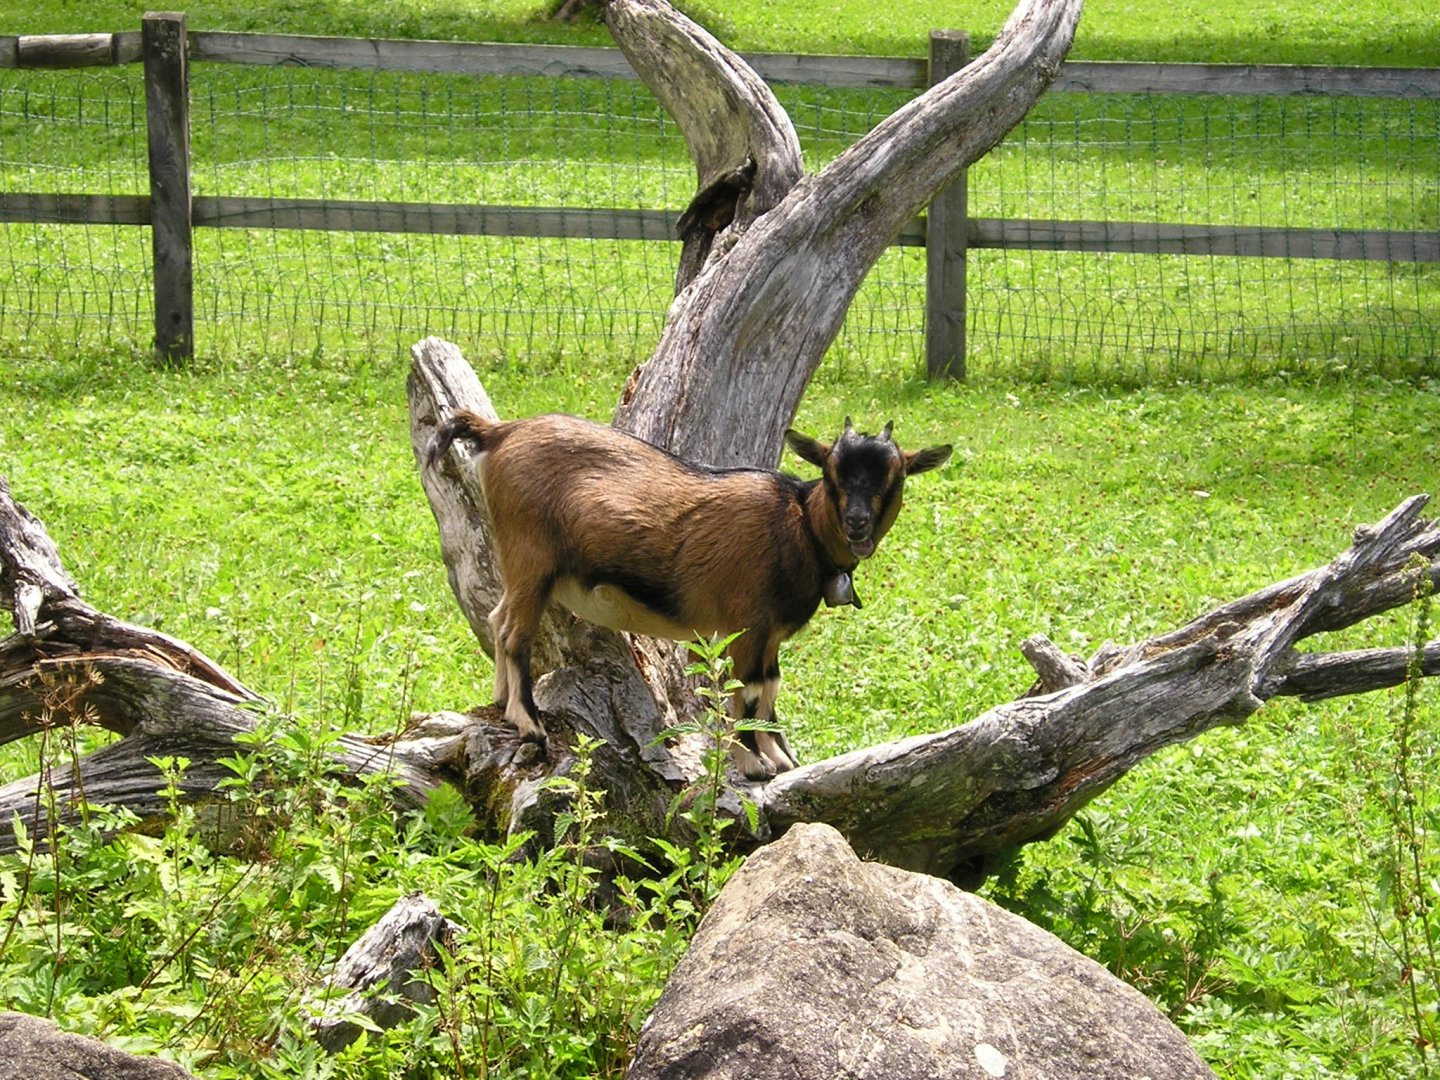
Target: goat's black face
column 864, row 477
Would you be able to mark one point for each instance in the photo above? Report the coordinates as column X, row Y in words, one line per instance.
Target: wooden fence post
column 946, row 237
column 167, row 117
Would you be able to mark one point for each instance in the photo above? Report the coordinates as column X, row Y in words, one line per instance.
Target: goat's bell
column 839, row 591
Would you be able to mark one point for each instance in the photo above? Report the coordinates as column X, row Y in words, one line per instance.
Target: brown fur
column 636, row 539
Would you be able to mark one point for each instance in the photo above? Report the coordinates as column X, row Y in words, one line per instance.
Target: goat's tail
column 462, row 424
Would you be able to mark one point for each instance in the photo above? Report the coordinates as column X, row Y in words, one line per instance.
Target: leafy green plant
column 701, row 868
column 1400, row 784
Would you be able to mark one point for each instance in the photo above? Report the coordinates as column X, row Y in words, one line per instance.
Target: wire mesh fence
column 1330, row 163
column 296, row 132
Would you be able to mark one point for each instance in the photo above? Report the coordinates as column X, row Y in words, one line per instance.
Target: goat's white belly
column 611, row 606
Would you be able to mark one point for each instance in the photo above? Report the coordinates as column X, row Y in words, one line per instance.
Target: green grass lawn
column 1380, row 32
column 270, row 514
column 263, row 504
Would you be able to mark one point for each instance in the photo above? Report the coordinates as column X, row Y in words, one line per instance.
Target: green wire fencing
column 1145, row 223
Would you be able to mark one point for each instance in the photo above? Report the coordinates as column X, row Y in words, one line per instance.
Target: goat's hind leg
column 502, row 667
column 513, row 625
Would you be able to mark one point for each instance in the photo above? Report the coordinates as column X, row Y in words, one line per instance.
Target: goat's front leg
column 759, row 755
column 772, row 745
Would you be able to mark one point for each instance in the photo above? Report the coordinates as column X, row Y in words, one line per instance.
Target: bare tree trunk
column 747, row 333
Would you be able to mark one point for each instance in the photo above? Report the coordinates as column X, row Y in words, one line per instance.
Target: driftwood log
column 772, row 260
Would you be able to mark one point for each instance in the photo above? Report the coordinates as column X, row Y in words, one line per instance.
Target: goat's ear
column 925, row 460
column 812, row 450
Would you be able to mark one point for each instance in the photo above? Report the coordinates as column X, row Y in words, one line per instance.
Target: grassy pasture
column 269, row 513
column 1383, row 32
column 263, row 505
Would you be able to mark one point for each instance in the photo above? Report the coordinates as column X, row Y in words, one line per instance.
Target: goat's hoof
column 760, row 773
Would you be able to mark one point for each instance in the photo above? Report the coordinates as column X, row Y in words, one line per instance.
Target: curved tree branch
column 743, row 339
column 950, row 803
column 746, row 153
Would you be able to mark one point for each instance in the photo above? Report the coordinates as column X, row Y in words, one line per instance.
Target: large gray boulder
column 32, row 1048
column 813, row 965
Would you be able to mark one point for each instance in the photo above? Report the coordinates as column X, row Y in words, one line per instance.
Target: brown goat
column 633, row 538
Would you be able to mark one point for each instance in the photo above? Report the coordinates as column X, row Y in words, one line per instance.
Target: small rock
column 32, row 1048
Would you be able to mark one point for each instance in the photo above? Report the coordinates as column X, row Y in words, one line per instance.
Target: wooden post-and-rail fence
column 166, row 48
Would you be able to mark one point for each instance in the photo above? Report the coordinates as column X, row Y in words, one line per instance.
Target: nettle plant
column 206, row 936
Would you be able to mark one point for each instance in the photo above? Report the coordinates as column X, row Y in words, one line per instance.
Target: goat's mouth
column 862, row 548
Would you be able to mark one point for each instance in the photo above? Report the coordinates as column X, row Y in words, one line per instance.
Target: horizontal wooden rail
column 339, row 215
column 66, row 209
column 487, row 58
column 1245, row 241
column 459, row 219
column 70, row 50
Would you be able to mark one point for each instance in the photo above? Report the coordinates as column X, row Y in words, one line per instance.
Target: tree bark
column 744, row 337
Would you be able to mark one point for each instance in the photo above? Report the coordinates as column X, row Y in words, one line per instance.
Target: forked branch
column 743, row 339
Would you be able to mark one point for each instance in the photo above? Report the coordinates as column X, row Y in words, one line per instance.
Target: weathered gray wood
column 483, row 58
column 1251, row 241
column 72, row 50
column 252, row 212
column 864, row 72
column 946, row 238
column 384, row 969
column 31, row 562
column 1057, row 670
column 741, row 342
column 68, row 663
column 66, row 209
column 167, row 117
column 168, row 713
column 439, row 57
column 1315, row 678
column 1101, row 77
column 341, row 215
column 1124, row 77
column 745, row 165
column 55, row 627
column 945, row 803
